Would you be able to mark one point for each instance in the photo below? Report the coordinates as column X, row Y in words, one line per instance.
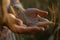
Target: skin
column 14, row 24
column 17, row 25
column 24, row 29
column 34, row 19
column 31, row 13
column 10, row 21
column 34, row 16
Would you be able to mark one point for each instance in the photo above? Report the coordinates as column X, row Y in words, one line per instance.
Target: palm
column 32, row 16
